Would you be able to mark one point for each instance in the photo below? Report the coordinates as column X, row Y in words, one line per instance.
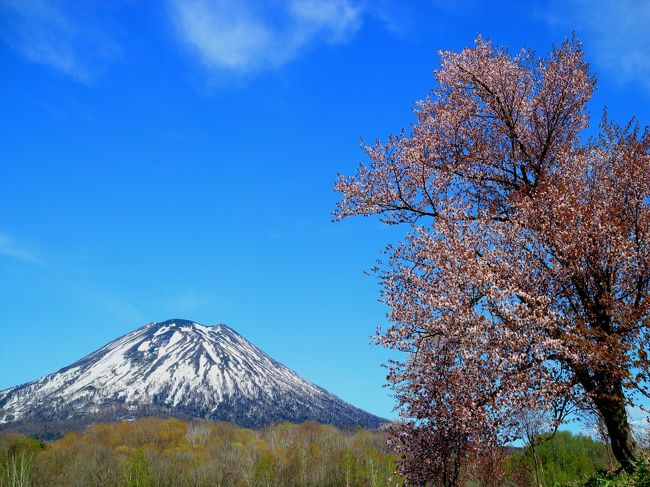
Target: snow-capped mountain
column 177, row 368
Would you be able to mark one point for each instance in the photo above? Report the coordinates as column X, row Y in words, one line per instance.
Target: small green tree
column 264, row 471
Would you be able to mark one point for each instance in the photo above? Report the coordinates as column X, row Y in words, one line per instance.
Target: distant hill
column 175, row 368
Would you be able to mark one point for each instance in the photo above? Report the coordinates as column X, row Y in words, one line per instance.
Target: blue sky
column 176, row 159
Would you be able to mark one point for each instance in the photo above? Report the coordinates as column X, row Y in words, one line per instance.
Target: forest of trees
column 156, row 452
column 561, row 459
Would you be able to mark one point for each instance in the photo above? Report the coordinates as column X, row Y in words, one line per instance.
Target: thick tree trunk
column 611, row 405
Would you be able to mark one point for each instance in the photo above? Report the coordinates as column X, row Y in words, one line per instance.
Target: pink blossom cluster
column 523, row 282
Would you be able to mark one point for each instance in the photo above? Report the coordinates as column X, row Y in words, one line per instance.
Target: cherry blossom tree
column 522, row 283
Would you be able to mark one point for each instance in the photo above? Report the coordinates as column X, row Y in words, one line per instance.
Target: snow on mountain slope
column 178, row 368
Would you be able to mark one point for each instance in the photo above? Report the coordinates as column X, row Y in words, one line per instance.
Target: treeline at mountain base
column 154, row 452
column 170, row 452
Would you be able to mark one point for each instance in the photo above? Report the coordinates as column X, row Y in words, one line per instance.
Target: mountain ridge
column 180, row 368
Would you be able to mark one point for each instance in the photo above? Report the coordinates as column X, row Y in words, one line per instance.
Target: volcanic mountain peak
column 182, row 368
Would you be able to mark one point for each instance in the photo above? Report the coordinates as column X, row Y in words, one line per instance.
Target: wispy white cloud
column 9, row 247
column 120, row 308
column 55, row 34
column 616, row 34
column 246, row 37
column 396, row 17
column 185, row 302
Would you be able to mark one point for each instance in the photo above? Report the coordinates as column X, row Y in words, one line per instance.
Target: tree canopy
column 523, row 281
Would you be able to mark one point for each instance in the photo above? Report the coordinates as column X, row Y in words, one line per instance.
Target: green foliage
column 566, row 457
column 264, row 471
column 171, row 453
column 17, row 454
column 603, row 478
column 642, row 476
column 560, row 459
column 137, row 470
